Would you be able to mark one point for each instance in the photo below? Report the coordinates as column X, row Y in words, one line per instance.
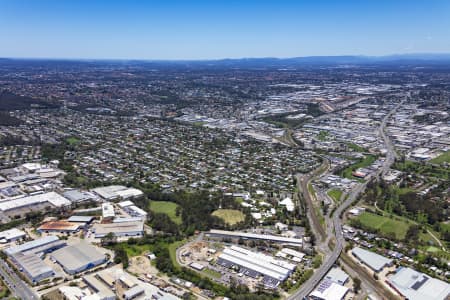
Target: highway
column 331, row 258
column 18, row 287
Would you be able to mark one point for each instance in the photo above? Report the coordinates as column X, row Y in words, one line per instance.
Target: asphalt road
column 330, row 258
column 18, row 287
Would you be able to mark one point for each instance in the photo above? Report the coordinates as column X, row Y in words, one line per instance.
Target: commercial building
column 291, row 254
column 32, row 267
column 414, row 285
column 11, row 235
column 328, row 290
column 213, row 233
column 42, row 245
column 197, row 266
column 254, row 265
column 114, row 192
column 78, row 258
column 374, row 261
column 108, row 211
column 132, row 209
column 60, row 226
column 35, row 202
column 338, row 276
column 122, row 229
column 125, row 203
column 77, row 196
column 102, row 291
column 81, row 219
column 135, row 211
column 133, row 292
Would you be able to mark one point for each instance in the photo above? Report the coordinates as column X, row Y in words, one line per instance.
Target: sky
column 214, row 29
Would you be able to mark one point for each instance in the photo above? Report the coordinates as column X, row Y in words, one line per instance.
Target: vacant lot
column 335, row 194
column 72, row 140
column 384, row 224
column 168, row 208
column 444, row 157
column 230, row 216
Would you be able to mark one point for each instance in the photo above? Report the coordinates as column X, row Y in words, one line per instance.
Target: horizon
column 400, row 56
column 203, row 30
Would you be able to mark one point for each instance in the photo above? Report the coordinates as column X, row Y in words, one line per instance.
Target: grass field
column 386, row 225
column 230, row 216
column 367, row 161
column 168, row 208
column 135, row 250
column 444, row 157
column 72, row 140
column 212, row 273
column 355, row 147
column 433, row 249
column 335, row 194
column 173, row 252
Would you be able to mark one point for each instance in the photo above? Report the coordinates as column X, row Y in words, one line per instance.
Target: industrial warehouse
column 221, row 234
column 21, row 206
column 114, row 192
column 27, row 257
column 60, row 226
column 414, row 285
column 78, row 258
column 253, row 264
column 119, row 229
column 11, row 235
column 374, row 261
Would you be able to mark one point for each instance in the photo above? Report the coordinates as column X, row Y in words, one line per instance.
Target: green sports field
column 230, row 216
column 384, row 224
column 168, row 208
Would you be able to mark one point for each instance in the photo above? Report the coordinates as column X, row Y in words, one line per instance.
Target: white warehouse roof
column 416, row 286
column 258, row 262
column 375, row 261
column 32, row 244
column 328, row 290
column 12, row 234
column 50, row 197
column 275, row 238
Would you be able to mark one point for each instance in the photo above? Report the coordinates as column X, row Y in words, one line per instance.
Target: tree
column 413, row 233
column 109, row 239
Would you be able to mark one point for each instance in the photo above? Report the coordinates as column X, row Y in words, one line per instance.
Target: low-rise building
column 121, row 229
column 373, row 260
column 11, row 235
column 60, row 226
column 78, row 258
column 32, row 266
column 414, row 285
column 328, row 290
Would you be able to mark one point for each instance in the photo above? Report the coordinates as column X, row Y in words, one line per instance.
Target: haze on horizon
column 174, row 29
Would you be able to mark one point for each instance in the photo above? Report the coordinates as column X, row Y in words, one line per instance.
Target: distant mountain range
column 341, row 60
column 402, row 59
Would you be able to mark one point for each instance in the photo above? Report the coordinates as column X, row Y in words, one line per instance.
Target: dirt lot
column 141, row 265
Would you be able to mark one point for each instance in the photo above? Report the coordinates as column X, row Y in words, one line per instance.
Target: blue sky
column 221, row 29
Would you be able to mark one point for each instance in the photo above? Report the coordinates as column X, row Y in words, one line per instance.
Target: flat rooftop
column 417, row 286
column 274, row 238
column 374, row 261
column 122, row 227
column 51, row 197
column 33, row 244
column 78, row 256
column 59, row 225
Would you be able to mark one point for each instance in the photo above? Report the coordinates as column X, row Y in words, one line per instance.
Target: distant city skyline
column 185, row 30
